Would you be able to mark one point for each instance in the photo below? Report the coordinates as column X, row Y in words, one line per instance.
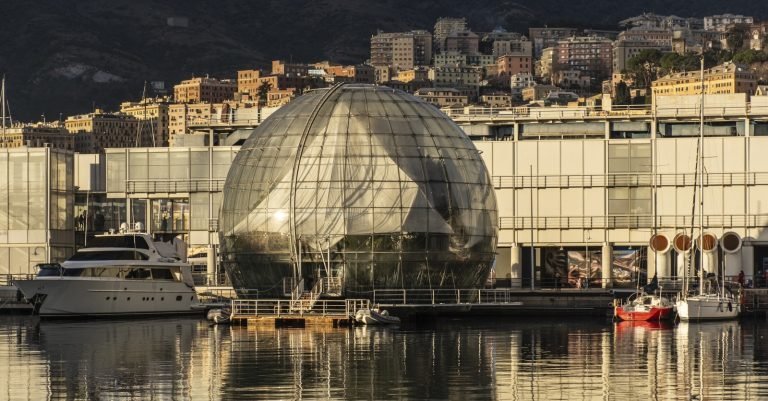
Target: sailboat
column 712, row 302
column 646, row 305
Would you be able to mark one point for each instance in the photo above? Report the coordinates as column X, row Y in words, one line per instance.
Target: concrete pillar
column 210, row 268
column 516, row 267
column 652, row 262
column 661, row 264
column 733, row 264
column 607, row 252
column 709, row 262
column 748, row 260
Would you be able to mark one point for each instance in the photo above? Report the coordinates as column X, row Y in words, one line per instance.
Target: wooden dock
column 296, row 313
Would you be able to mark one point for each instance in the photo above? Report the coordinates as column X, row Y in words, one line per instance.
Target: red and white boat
column 645, row 307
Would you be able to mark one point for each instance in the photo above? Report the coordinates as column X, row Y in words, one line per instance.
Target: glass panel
column 115, row 172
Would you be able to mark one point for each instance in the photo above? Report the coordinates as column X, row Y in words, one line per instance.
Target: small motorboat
column 220, row 316
column 645, row 307
column 375, row 316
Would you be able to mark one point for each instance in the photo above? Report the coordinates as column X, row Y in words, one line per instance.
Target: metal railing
column 284, row 308
column 629, row 221
column 174, row 185
column 7, row 279
column 626, row 180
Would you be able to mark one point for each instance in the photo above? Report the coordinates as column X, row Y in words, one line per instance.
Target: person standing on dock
column 741, row 279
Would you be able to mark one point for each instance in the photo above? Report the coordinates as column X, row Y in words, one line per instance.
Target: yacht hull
column 107, row 297
column 707, row 308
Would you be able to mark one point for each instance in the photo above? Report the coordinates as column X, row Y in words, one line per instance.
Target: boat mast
column 701, row 183
column 2, row 104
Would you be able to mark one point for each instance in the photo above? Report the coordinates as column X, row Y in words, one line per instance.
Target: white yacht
column 115, row 275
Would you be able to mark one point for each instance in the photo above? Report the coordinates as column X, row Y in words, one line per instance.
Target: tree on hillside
column 750, row 56
column 737, row 37
column 263, row 91
column 644, row 67
column 623, row 96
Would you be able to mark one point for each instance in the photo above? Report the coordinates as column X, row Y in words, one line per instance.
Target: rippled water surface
column 508, row 359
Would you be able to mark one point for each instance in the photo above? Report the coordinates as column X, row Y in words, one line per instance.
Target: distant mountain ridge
column 63, row 57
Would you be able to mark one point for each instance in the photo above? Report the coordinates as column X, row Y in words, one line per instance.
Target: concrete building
column 53, row 135
column 545, row 63
column 727, row 78
column 723, row 22
column 466, row 79
column 442, row 97
column 416, row 74
column 659, row 37
column 445, row 27
column 521, row 46
column 512, row 64
column 465, row 42
column 152, row 112
column 496, row 99
column 568, row 183
column 280, row 67
column 592, row 55
column 360, row 73
column 543, row 38
column 401, row 50
column 180, row 115
column 109, row 130
column 210, row 90
column 537, row 92
column 248, row 81
column 623, row 50
column 518, row 82
column 663, row 22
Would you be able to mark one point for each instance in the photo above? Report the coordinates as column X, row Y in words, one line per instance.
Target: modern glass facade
column 363, row 183
column 36, row 208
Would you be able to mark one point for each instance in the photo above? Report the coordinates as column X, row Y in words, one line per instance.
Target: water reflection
column 464, row 359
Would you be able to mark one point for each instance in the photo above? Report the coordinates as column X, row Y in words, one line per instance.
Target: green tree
column 644, row 67
column 623, row 96
column 262, row 92
column 736, row 37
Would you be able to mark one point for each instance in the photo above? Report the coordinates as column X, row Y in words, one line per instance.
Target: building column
column 210, row 268
column 516, row 267
column 652, row 262
column 607, row 253
column 748, row 259
column 709, row 262
column 663, row 264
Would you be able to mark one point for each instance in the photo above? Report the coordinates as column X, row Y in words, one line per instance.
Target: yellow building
column 37, row 135
column 727, row 78
column 209, row 90
column 154, row 114
column 416, row 74
column 442, row 97
column 108, row 130
column 180, row 115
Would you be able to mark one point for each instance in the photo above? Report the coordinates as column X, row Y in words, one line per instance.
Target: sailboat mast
column 701, row 183
column 2, row 104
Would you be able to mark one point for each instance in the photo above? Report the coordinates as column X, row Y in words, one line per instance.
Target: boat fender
column 730, row 307
column 720, row 307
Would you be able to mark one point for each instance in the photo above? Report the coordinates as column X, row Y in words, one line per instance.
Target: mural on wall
column 628, row 268
column 581, row 274
column 568, row 267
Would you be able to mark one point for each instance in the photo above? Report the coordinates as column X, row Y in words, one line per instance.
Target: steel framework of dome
column 361, row 183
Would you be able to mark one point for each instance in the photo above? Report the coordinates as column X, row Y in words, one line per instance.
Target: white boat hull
column 107, row 297
column 372, row 317
column 703, row 307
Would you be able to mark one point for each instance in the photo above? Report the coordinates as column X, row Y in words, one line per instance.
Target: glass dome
column 364, row 184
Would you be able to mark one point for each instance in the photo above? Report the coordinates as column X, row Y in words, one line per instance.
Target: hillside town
column 452, row 67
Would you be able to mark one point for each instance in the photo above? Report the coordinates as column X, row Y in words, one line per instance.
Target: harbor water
column 484, row 359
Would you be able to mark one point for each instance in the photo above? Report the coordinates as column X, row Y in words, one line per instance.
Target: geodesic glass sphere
column 362, row 183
